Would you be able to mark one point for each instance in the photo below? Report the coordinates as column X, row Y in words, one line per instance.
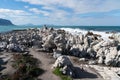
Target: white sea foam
column 77, row 31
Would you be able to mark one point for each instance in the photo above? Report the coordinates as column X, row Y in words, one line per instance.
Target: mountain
column 5, row 22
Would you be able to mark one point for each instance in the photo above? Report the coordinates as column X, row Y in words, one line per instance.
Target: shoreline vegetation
column 57, row 72
column 81, row 56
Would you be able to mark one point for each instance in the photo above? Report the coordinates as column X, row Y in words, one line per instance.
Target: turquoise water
column 10, row 28
column 94, row 28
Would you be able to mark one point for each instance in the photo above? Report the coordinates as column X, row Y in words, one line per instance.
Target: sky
column 62, row 12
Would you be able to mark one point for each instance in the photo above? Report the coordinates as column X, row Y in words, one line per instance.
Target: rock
column 109, row 43
column 116, row 36
column 101, row 52
column 65, row 64
column 12, row 39
column 118, row 72
column 3, row 45
column 110, row 57
column 92, row 62
column 56, row 54
column 94, row 43
column 86, row 41
column 82, row 59
column 15, row 48
column 118, row 47
column 62, row 61
column 89, row 33
column 117, row 59
column 60, row 43
column 91, row 53
column 49, row 43
column 81, row 38
column 100, row 60
column 75, row 52
column 68, row 71
column 98, row 46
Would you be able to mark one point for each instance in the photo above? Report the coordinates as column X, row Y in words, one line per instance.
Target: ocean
column 87, row 28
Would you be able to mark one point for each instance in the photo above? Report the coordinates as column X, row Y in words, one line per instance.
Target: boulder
column 65, row 65
column 60, row 43
column 62, row 61
column 49, row 43
column 110, row 57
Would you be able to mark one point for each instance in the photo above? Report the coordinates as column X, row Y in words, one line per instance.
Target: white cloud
column 26, row 7
column 37, row 11
column 10, row 12
column 17, row 16
column 54, row 12
column 79, row 6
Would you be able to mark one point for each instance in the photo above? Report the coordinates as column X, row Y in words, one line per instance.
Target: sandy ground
column 6, row 64
column 46, row 64
column 84, row 71
column 46, row 61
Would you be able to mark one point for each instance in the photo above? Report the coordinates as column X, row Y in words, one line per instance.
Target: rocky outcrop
column 90, row 46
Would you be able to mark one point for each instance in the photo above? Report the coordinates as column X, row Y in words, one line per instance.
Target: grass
column 57, row 72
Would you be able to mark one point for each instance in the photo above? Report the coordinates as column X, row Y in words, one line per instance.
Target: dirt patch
column 46, row 63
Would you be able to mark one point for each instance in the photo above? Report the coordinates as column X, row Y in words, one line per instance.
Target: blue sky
column 61, row 12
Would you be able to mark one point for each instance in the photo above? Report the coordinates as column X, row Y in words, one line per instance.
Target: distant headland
column 5, row 22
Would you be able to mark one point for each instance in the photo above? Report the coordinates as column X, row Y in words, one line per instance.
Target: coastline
column 88, row 46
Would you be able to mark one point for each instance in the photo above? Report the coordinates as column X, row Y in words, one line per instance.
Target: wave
column 77, row 31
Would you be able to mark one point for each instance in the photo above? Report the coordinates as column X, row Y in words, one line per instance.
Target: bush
column 57, row 72
column 26, row 68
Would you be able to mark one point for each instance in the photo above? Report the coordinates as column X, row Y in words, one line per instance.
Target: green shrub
column 26, row 68
column 57, row 72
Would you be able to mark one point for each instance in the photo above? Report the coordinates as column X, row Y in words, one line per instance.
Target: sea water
column 88, row 28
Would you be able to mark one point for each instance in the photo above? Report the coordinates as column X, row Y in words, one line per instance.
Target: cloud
column 37, row 11
column 26, row 7
column 64, row 8
column 76, row 12
column 10, row 12
column 17, row 16
column 79, row 6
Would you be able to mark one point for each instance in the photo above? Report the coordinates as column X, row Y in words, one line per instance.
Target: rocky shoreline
column 89, row 48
